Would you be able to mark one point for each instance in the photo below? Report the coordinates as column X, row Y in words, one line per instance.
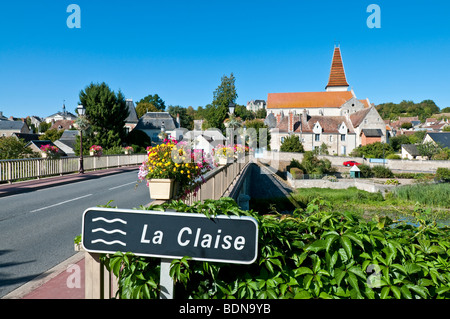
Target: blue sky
column 181, row 49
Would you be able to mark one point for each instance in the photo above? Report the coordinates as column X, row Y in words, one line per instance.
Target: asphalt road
column 37, row 228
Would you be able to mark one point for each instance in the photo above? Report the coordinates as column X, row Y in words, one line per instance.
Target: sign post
column 169, row 236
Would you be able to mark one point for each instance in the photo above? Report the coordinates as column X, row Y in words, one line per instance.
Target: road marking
column 121, row 186
column 62, row 203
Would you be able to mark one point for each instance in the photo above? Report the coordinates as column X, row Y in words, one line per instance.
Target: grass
column 434, row 195
column 403, row 202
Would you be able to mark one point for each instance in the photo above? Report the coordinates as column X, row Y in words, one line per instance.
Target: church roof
column 307, row 99
column 337, row 73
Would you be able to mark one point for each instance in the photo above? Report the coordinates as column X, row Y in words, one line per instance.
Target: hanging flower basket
column 49, row 151
column 128, row 150
column 95, row 150
column 223, row 155
column 176, row 162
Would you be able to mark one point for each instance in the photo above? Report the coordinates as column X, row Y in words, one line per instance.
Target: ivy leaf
column 347, row 245
column 316, row 246
column 396, row 291
column 329, row 240
column 302, row 270
column 358, row 271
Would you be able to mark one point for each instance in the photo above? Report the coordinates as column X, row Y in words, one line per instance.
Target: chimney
column 178, row 120
column 291, row 122
column 278, row 118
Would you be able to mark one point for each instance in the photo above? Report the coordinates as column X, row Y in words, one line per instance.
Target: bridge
column 239, row 180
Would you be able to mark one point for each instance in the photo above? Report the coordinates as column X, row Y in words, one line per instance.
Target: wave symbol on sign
column 111, row 231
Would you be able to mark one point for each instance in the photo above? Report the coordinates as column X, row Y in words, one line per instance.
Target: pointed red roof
column 337, row 73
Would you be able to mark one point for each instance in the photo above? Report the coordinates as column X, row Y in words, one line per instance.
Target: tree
column 145, row 107
column 292, row 144
column 225, row 93
column 262, row 134
column 428, row 149
column 374, row 150
column 155, row 100
column 106, row 112
column 396, row 141
column 186, row 121
column 392, row 111
column 312, row 165
column 242, row 112
column 13, row 148
column 51, row 135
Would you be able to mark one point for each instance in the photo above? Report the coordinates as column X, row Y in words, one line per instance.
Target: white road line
column 121, row 185
column 62, row 203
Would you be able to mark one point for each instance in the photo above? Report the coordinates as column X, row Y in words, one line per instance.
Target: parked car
column 351, row 163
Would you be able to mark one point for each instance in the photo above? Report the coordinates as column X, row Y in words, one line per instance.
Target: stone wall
column 429, row 166
column 365, row 185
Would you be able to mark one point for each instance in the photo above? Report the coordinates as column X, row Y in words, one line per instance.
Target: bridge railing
column 218, row 181
column 101, row 284
column 35, row 168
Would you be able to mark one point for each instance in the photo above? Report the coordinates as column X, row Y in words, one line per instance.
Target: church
column 334, row 117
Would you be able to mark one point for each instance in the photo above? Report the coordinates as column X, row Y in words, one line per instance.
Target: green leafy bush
column 366, row 171
column 443, row 174
column 292, row 144
column 380, row 171
column 313, row 253
column 296, row 173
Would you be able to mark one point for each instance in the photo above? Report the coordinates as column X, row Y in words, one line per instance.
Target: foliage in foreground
column 314, row 253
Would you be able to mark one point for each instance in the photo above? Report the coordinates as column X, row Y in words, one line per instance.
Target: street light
column 231, row 107
column 81, row 111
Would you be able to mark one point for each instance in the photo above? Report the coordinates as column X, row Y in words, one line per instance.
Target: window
column 342, row 137
column 317, row 137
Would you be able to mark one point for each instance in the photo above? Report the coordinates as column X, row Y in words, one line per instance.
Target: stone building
column 335, row 116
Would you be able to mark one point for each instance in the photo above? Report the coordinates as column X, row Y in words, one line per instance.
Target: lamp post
column 81, row 111
column 231, row 107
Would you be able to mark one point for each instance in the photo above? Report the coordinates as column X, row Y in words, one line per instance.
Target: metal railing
column 36, row 168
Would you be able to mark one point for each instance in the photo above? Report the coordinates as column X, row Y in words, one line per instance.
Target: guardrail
column 36, row 168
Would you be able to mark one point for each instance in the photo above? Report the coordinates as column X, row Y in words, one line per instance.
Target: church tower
column 337, row 81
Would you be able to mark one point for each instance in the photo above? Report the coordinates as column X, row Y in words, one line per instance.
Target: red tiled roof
column 329, row 124
column 307, row 99
column 337, row 73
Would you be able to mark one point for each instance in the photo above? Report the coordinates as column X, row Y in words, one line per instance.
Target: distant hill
column 392, row 111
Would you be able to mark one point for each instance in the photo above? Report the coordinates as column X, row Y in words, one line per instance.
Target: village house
column 153, row 123
column 64, row 115
column 8, row 128
column 335, row 117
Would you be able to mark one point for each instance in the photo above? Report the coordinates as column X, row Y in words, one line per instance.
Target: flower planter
column 91, row 153
column 161, row 188
column 225, row 160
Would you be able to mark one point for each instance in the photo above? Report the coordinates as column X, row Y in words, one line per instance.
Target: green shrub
column 296, row 173
column 443, row 174
column 292, row 144
column 393, row 156
column 366, row 171
column 380, row 171
column 313, row 253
